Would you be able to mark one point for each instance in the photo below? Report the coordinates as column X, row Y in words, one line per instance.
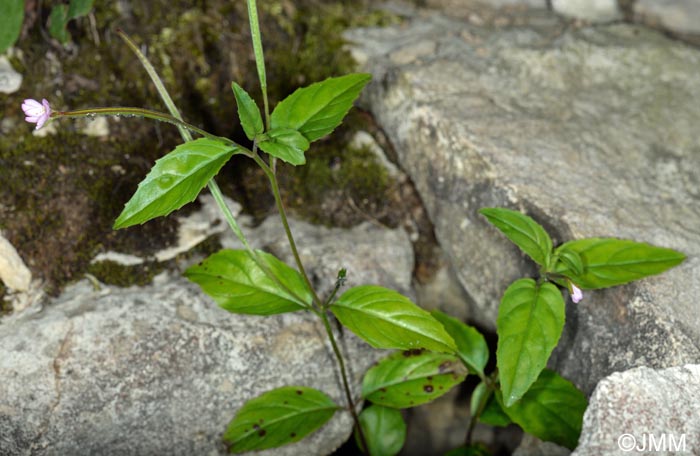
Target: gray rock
column 13, row 272
column 591, row 131
column 644, row 409
column 532, row 446
column 676, row 15
column 162, row 370
column 10, row 80
column 588, row 10
column 156, row 370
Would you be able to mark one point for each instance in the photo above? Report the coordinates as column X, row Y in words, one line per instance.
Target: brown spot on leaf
column 428, row 388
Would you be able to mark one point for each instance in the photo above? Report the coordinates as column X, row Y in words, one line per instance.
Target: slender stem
column 160, row 87
column 344, row 376
column 283, row 216
column 141, row 112
column 490, row 383
column 340, row 281
column 259, row 55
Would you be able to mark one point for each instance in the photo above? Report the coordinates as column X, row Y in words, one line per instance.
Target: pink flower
column 36, row 112
column 576, row 293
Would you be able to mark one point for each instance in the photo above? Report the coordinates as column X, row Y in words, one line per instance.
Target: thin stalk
column 490, row 383
column 338, row 283
column 344, row 376
column 160, row 87
column 147, row 113
column 259, row 55
column 283, row 216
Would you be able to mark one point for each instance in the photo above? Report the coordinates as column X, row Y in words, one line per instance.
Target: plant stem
column 283, row 216
column 160, row 87
column 147, row 113
column 344, row 375
column 490, row 383
column 259, row 56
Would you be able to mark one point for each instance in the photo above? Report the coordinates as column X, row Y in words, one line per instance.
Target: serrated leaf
column 248, row 112
column 11, row 17
column 608, row 261
column 383, row 428
column 386, row 319
column 492, row 412
column 286, row 144
column 278, row 417
column 530, row 322
column 175, row 180
column 238, row 284
column 523, row 231
column 57, row 23
column 316, row 110
column 551, row 410
column 79, row 8
column 471, row 345
column 407, row 379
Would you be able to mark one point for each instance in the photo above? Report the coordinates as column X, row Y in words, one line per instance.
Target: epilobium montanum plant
column 436, row 351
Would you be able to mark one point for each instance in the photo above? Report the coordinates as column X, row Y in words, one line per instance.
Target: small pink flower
column 36, row 112
column 576, row 293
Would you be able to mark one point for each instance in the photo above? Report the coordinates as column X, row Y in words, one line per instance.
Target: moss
column 112, row 273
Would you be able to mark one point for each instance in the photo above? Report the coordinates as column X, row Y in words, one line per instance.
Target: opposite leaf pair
column 303, row 117
column 531, row 314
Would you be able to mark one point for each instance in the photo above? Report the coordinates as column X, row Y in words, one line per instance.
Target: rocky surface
column 10, row 80
column 161, row 369
column 677, row 15
column 645, row 409
column 589, row 130
column 588, row 10
column 157, row 370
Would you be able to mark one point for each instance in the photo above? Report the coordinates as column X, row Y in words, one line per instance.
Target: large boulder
column 591, row 131
column 161, row 369
column 646, row 410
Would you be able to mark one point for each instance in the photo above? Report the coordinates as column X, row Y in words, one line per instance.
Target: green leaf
column 286, row 144
column 608, row 261
column 316, row 110
column 530, row 322
column 471, row 345
column 523, row 231
column 551, row 410
column 237, row 283
column 248, row 112
column 175, row 180
column 278, row 417
column 11, row 17
column 571, row 260
column 57, row 23
column 79, row 8
column 492, row 413
column 407, row 379
column 384, row 429
column 386, row 319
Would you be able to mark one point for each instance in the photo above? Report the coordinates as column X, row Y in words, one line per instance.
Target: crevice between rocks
column 56, row 366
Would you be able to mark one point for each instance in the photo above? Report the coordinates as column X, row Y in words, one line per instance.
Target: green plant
column 62, row 14
column 12, row 15
column 436, row 351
